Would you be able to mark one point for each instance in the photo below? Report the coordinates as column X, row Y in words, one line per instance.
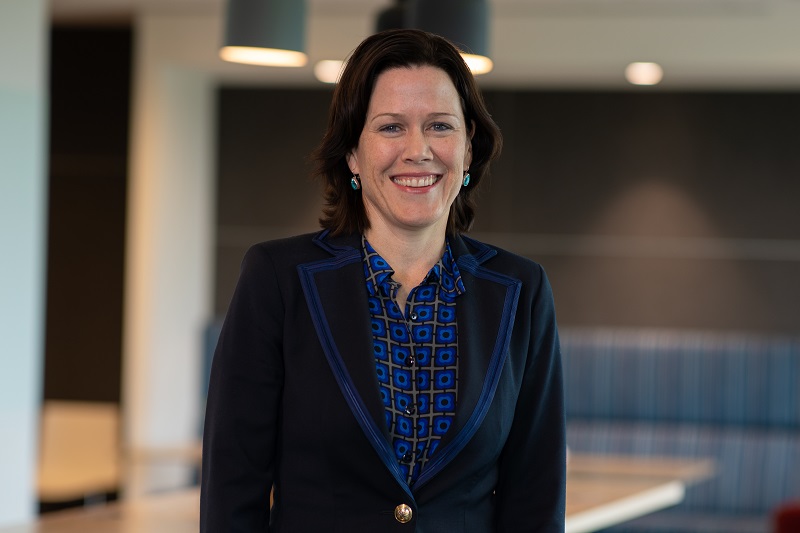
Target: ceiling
column 701, row 44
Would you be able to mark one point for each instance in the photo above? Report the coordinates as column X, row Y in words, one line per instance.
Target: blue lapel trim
column 345, row 256
column 471, row 264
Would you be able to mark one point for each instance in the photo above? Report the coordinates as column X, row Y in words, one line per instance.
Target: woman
column 389, row 374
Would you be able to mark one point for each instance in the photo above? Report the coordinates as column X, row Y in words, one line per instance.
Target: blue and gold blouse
column 416, row 356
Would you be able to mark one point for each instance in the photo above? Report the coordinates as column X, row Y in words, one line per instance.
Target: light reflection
column 644, row 73
column 271, row 57
column 478, row 64
column 328, row 70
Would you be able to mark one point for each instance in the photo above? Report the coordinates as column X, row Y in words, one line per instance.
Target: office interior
column 137, row 167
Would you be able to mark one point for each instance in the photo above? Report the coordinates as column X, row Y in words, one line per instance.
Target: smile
column 420, row 181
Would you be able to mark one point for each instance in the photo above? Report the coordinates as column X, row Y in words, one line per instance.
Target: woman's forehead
column 414, row 88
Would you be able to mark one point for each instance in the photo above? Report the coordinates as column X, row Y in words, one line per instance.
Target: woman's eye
column 441, row 126
column 390, row 128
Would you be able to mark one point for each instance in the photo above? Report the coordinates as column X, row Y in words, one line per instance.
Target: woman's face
column 413, row 151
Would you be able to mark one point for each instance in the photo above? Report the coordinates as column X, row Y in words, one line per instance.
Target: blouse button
column 406, row 458
column 403, row 513
column 410, row 360
column 413, row 315
column 410, row 410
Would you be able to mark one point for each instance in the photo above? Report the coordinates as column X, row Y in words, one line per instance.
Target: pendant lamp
column 393, row 17
column 464, row 22
column 265, row 32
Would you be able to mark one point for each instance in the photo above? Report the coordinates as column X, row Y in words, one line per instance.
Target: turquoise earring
column 355, row 182
column 466, row 179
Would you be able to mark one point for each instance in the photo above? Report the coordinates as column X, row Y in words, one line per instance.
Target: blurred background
column 136, row 167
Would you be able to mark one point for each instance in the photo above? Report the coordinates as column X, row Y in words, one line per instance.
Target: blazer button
column 403, row 513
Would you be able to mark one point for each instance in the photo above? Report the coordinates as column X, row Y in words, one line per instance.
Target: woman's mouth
column 416, row 181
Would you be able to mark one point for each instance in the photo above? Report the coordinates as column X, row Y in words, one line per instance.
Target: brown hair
column 344, row 208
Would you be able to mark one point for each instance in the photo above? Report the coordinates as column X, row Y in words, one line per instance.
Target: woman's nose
column 417, row 147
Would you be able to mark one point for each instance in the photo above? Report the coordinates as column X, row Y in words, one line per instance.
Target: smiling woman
column 353, row 97
column 388, row 373
column 412, row 157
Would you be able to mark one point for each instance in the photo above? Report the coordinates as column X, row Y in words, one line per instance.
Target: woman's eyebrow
column 400, row 115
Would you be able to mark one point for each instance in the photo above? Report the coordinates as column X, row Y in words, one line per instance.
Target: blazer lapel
column 335, row 292
column 485, row 318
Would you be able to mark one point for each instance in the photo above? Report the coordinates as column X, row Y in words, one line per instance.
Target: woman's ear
column 352, row 162
column 468, row 151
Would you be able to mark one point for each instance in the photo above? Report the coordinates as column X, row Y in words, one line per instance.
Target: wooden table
column 606, row 490
column 601, row 491
column 175, row 512
column 79, row 453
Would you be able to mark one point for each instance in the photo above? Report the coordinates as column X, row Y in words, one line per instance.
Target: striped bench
column 733, row 398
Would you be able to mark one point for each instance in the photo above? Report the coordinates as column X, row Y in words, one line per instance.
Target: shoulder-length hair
column 344, row 208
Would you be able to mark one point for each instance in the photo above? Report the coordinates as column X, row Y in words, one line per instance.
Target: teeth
column 416, row 182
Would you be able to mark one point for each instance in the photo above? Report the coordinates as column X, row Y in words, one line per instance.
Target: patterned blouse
column 416, row 356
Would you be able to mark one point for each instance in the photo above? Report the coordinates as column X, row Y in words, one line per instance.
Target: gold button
column 403, row 513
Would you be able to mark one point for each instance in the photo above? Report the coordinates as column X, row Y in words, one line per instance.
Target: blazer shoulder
column 503, row 261
column 285, row 252
column 284, row 244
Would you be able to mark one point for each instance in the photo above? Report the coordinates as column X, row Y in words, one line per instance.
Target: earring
column 466, row 179
column 355, row 182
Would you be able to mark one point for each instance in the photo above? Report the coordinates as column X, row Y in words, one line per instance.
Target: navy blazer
column 294, row 402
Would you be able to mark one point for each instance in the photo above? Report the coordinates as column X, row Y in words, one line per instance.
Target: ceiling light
column 478, row 64
column 265, row 32
column 328, row 70
column 643, row 73
column 393, row 17
column 464, row 22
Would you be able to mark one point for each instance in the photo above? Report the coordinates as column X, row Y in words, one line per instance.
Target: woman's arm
column 243, row 402
column 532, row 469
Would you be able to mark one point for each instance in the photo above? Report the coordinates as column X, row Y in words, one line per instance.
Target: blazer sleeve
column 532, row 467
column 239, row 438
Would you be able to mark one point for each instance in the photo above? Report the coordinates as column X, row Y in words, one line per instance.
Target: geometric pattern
column 416, row 356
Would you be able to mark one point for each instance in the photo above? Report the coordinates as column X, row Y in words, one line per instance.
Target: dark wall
column 265, row 189
column 647, row 209
column 89, row 103
column 659, row 209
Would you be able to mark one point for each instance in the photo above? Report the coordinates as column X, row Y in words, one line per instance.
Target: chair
column 786, row 518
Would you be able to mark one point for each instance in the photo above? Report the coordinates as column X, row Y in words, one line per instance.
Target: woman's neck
column 410, row 254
